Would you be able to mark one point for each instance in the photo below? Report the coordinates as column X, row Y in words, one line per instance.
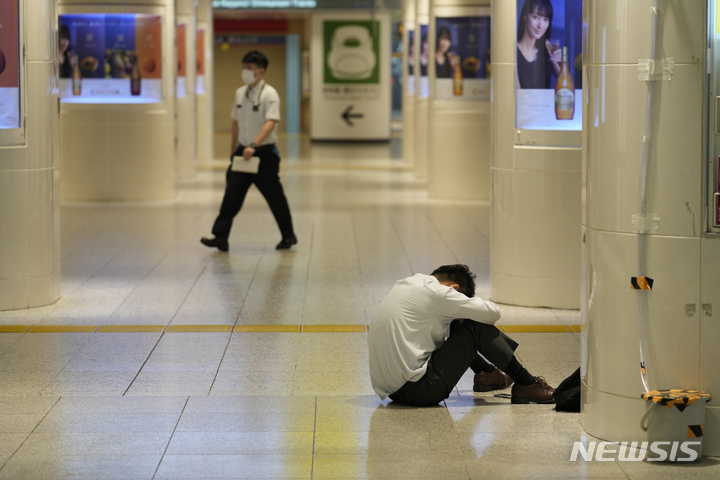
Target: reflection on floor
column 165, row 359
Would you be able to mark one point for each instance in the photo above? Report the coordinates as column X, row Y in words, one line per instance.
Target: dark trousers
column 450, row 362
column 267, row 181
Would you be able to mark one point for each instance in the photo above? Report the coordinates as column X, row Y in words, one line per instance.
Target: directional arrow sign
column 348, row 115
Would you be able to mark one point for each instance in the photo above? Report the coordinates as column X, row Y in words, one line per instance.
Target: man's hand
column 248, row 152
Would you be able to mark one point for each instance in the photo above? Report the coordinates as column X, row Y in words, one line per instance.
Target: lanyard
column 256, row 105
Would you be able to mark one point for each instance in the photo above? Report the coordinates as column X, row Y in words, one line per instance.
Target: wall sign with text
column 548, row 65
column 110, row 58
column 9, row 64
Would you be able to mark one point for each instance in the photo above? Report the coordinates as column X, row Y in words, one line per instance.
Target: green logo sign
column 351, row 51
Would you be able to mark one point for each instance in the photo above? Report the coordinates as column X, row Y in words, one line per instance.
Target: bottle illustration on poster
column 548, row 66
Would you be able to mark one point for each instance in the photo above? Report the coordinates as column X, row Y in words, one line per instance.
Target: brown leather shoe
column 538, row 392
column 495, row 380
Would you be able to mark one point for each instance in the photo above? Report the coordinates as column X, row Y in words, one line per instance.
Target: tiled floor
column 189, row 363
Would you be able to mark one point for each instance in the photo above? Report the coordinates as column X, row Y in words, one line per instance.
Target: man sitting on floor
column 419, row 349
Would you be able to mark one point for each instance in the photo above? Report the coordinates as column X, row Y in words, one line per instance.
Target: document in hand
column 239, row 164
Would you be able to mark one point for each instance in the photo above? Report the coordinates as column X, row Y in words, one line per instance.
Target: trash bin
column 675, row 424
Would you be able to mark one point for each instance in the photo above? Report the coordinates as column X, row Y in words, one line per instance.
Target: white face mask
column 248, row 76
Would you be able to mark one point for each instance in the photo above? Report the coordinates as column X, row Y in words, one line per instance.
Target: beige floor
column 165, row 359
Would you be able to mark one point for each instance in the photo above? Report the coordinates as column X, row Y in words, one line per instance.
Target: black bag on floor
column 567, row 394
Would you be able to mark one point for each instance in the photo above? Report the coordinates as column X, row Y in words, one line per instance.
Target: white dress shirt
column 413, row 321
column 250, row 119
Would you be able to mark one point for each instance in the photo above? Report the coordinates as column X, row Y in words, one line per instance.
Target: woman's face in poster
column 64, row 43
column 536, row 25
column 443, row 44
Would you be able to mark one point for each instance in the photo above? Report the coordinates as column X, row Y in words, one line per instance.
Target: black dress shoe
column 220, row 243
column 286, row 243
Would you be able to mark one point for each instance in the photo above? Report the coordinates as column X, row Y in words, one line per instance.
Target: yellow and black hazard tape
column 695, row 431
column 675, row 397
column 641, row 283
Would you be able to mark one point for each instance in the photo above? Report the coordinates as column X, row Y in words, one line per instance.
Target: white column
column 459, row 120
column 682, row 335
column 535, row 252
column 186, row 128
column 204, row 83
column 422, row 102
column 409, row 82
column 29, row 170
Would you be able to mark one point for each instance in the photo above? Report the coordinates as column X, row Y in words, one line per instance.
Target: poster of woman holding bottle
column 548, row 66
column 462, row 58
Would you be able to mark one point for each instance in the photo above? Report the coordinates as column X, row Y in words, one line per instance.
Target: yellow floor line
column 267, row 328
column 535, row 328
column 14, row 328
column 131, row 328
column 199, row 328
column 334, row 328
column 575, row 328
column 63, row 328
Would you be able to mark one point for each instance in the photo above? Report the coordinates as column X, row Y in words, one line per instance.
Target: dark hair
column 258, row 58
column 544, row 8
column 443, row 32
column 459, row 274
column 64, row 32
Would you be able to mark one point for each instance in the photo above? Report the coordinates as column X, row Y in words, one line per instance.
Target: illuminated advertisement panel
column 182, row 61
column 548, row 65
column 9, row 64
column 462, row 58
column 110, row 58
column 410, row 87
column 424, row 82
column 200, row 70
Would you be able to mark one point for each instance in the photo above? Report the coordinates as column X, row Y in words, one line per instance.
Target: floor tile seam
column 29, row 434
column 187, row 399
column 312, row 461
column 247, row 292
column 187, row 294
column 147, row 358
column 137, row 284
column 396, row 230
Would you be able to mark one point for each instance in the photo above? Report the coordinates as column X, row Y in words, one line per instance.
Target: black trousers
column 449, row 363
column 267, row 181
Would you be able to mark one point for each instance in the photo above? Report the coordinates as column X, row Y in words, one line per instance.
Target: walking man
column 255, row 115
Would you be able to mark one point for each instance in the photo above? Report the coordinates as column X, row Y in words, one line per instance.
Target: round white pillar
column 678, row 255
column 29, row 170
column 185, row 126
column 459, row 118
column 535, row 252
column 116, row 148
column 410, row 59
column 204, row 82
column 422, row 101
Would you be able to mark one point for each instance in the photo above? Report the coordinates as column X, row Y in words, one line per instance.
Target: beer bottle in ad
column 564, row 90
column 76, row 77
column 135, row 79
